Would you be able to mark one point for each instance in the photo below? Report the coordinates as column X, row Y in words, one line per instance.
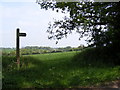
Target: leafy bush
column 97, row 56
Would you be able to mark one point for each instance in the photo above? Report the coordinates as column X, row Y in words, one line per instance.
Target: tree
column 97, row 20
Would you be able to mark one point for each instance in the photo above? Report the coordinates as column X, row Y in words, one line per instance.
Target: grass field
column 56, row 70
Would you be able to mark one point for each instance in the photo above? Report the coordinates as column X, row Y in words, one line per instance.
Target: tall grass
column 68, row 69
column 95, row 58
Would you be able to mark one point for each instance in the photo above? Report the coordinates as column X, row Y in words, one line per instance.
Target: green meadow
column 57, row 70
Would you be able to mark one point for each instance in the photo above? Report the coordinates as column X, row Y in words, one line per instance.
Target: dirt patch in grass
column 112, row 84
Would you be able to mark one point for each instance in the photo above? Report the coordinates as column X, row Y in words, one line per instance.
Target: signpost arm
column 17, row 48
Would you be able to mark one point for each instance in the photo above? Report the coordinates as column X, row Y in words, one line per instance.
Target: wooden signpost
column 18, row 34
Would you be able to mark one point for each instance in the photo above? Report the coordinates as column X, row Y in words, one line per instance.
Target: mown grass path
column 54, row 70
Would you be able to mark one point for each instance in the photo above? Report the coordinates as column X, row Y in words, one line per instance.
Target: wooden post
column 17, row 48
column 18, row 34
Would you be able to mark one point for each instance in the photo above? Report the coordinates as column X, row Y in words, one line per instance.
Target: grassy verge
column 68, row 69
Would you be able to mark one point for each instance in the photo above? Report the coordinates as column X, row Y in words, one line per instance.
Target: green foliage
column 56, row 70
column 8, row 63
column 96, row 20
column 97, row 57
column 8, row 51
column 29, row 50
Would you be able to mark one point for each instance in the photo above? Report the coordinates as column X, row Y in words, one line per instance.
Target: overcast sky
column 32, row 20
